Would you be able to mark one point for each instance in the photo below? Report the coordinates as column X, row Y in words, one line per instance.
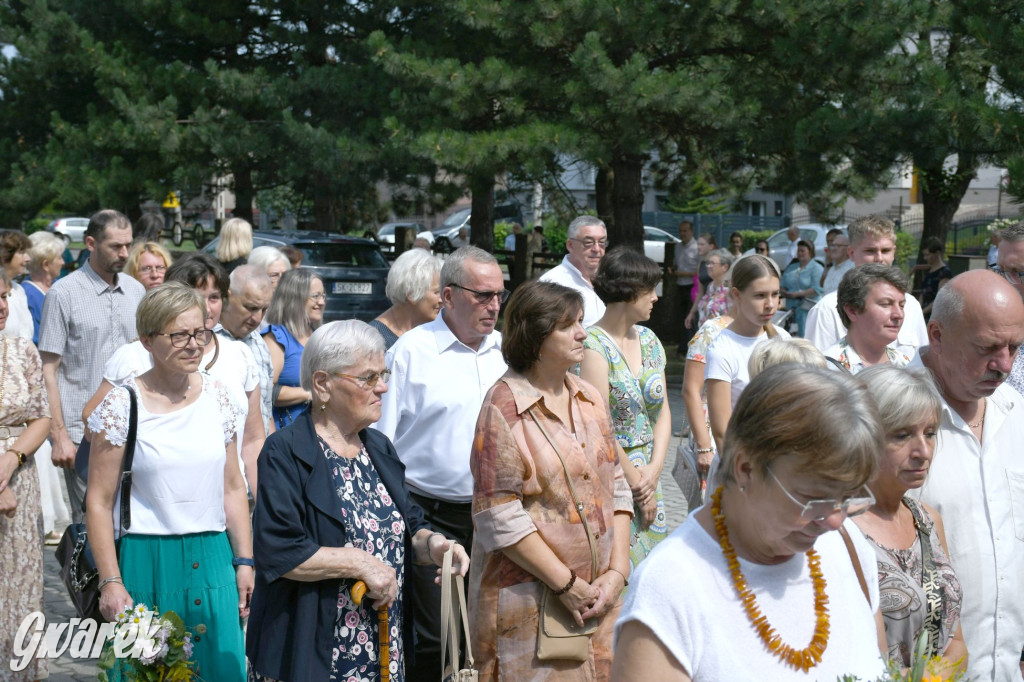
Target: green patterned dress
column 636, row 402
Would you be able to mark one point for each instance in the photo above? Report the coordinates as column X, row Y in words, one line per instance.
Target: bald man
column 976, row 480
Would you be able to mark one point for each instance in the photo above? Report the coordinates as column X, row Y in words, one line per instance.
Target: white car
column 778, row 243
column 72, row 229
column 655, row 239
column 386, row 234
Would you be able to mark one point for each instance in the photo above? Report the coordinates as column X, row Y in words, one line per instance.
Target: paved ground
column 58, row 607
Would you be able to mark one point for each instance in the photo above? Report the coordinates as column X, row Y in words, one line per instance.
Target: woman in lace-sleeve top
column 188, row 548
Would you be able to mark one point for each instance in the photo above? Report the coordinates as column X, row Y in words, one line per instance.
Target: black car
column 353, row 269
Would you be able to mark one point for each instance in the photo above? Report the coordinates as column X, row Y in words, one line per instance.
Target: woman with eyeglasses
column 148, row 263
column 295, row 312
column 188, row 548
column 780, row 585
column 334, row 509
column 715, row 300
column 920, row 591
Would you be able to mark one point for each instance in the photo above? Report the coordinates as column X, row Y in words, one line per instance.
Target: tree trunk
column 604, row 182
column 481, row 219
column 941, row 194
column 245, row 194
column 628, row 197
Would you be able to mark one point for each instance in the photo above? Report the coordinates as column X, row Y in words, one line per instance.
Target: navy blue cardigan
column 290, row 635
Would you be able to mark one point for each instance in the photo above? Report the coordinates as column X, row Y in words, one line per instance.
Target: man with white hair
column 586, row 243
column 976, row 481
column 249, row 294
column 440, row 373
column 1010, row 264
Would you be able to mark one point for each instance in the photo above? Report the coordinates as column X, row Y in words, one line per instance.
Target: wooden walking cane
column 384, row 639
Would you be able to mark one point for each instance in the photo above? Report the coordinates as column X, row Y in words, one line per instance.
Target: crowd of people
column 861, row 497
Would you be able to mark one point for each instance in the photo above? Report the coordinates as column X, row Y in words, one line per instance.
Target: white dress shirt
column 978, row 489
column 568, row 275
column 825, row 327
column 835, row 276
column 433, row 400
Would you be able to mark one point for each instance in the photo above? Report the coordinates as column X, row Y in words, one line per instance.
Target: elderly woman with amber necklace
column 781, row 594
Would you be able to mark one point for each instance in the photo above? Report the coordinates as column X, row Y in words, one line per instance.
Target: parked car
column 778, row 243
column 449, row 230
column 386, row 233
column 71, row 229
column 354, row 270
column 655, row 239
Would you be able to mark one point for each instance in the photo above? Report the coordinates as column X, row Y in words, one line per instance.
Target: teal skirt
column 191, row 575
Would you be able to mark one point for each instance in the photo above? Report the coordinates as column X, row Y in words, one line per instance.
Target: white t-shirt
column 177, row 482
column 235, row 368
column 683, row 592
column 835, row 276
column 824, row 326
column 728, row 358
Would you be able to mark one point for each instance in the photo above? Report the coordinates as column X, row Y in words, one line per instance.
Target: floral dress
column 22, row 399
column 636, row 402
column 373, row 524
column 714, row 303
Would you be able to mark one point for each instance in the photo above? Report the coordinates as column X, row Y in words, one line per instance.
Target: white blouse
column 178, row 470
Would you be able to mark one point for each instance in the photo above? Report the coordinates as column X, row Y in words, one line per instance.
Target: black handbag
column 78, row 569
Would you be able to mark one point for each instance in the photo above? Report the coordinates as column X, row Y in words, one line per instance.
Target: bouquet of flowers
column 923, row 668
column 151, row 646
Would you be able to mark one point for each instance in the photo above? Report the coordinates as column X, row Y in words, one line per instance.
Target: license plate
column 364, row 288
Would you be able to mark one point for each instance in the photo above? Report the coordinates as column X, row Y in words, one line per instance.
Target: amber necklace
column 802, row 659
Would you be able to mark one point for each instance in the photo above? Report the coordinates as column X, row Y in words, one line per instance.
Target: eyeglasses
column 148, row 269
column 484, row 297
column 591, row 243
column 1014, row 277
column 370, row 380
column 817, row 510
column 180, row 339
column 318, row 297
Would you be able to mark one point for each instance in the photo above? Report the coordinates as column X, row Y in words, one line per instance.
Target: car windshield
column 456, row 218
column 386, row 229
column 335, row 254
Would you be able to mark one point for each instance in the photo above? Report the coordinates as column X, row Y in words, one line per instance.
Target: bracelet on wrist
column 111, row 579
column 568, row 585
column 625, row 580
column 22, row 457
column 701, row 451
column 243, row 561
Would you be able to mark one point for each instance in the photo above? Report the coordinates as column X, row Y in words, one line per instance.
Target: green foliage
column 697, row 196
column 906, row 249
column 35, row 225
column 750, row 237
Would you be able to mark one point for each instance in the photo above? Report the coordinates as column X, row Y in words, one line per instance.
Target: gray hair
column 905, row 396
column 163, row 303
column 244, row 275
column 790, row 410
column 1013, row 233
column 265, row 256
column 288, row 306
column 411, row 275
column 454, row 269
column 45, row 246
column 776, row 351
column 948, row 306
column 337, row 346
column 579, row 223
column 858, row 282
column 723, row 255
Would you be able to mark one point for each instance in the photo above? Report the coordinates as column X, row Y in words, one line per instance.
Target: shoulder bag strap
column 575, row 498
column 929, row 581
column 126, row 463
column 856, row 562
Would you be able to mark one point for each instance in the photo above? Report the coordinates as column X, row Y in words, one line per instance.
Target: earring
column 323, row 406
column 742, row 488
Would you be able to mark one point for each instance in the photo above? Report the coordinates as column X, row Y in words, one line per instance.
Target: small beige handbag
column 450, row 625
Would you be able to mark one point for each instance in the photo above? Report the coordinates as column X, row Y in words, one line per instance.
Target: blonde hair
column 235, row 240
column 135, row 255
column 870, row 226
column 45, row 246
column 163, row 303
column 778, row 350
